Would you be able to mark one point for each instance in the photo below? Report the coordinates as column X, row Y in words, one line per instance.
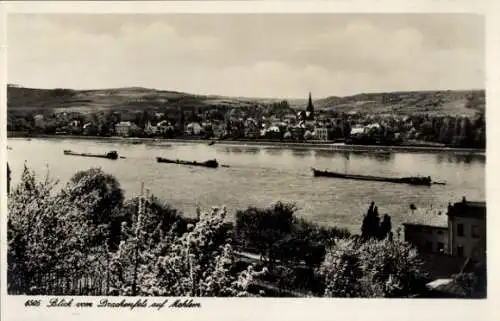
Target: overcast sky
column 268, row 55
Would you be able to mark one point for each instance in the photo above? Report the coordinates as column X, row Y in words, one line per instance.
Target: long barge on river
column 412, row 180
column 212, row 163
column 109, row 155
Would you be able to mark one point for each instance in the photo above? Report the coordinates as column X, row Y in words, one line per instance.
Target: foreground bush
column 277, row 233
column 55, row 234
column 472, row 284
column 105, row 188
column 259, row 229
column 48, row 233
column 159, row 218
column 372, row 269
column 200, row 262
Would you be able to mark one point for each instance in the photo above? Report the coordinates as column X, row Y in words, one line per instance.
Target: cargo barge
column 412, row 180
column 212, row 163
column 109, row 155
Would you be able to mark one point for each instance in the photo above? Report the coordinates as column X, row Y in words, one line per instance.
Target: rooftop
column 468, row 208
column 427, row 216
column 476, row 204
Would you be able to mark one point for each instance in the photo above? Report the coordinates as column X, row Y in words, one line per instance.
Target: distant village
column 275, row 121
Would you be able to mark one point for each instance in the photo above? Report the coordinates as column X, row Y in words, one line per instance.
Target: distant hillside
column 137, row 98
column 433, row 102
column 132, row 98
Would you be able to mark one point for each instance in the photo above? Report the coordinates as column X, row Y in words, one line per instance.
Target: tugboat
column 413, row 180
column 109, row 155
column 212, row 163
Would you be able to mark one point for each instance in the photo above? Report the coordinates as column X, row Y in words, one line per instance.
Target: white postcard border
column 286, row 309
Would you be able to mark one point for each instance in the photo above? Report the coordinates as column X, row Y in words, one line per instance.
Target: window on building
column 440, row 247
column 460, row 230
column 428, row 246
column 475, row 231
column 460, row 251
column 440, row 232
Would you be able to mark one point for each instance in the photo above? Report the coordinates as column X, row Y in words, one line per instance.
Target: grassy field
column 137, row 98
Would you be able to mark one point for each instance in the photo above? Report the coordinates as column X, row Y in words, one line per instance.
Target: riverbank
column 340, row 147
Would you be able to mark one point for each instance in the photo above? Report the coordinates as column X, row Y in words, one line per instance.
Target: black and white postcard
column 208, row 160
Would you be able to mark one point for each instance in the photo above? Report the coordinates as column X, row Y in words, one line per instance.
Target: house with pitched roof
column 450, row 239
column 459, row 231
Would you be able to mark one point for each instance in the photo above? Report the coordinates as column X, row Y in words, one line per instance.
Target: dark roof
column 468, row 209
column 480, row 204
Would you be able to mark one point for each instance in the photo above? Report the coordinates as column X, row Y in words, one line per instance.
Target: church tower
column 310, row 109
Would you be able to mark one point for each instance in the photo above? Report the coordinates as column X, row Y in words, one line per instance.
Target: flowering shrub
column 158, row 217
column 372, row 269
column 342, row 270
column 67, row 232
column 47, row 232
column 200, row 262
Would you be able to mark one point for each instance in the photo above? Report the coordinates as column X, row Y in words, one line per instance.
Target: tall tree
column 48, row 234
column 102, row 187
column 261, row 229
column 385, row 227
column 371, row 223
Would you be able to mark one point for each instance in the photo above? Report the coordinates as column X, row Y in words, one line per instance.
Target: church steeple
column 310, row 108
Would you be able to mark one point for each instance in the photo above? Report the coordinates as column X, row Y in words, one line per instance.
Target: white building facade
column 123, row 128
column 321, row 133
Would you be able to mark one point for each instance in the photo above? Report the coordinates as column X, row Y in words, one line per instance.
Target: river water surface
column 259, row 176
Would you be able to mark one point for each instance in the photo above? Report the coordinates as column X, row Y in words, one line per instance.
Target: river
column 259, row 176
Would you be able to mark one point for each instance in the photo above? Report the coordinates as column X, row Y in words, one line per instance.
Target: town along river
column 259, row 176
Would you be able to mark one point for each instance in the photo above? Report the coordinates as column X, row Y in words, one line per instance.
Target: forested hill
column 447, row 102
column 137, row 98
